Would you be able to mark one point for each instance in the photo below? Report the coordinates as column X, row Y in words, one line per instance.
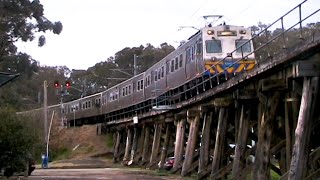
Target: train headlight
column 210, row 32
column 242, row 31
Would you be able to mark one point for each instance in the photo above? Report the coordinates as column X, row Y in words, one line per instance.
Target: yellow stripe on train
column 217, row 66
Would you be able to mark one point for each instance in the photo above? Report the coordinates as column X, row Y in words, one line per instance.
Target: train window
column 155, row 76
column 149, row 80
column 176, row 64
column 172, row 65
column 159, row 73
column 126, row 93
column 97, row 101
column 89, row 104
column 123, row 92
column 162, row 71
column 138, row 86
column 180, row 60
column 213, row 46
column 192, row 53
column 129, row 89
column 141, row 84
column 199, row 48
column 146, row 82
column 244, row 44
column 188, row 55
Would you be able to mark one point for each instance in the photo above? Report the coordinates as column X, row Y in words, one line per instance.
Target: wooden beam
column 134, row 144
column 180, row 115
column 205, row 172
column 261, row 169
column 221, row 172
column 179, row 143
column 273, row 84
column 128, row 146
column 241, row 143
column 220, row 140
column 304, row 126
column 146, row 144
column 192, row 140
column 223, row 102
column 307, row 68
column 205, row 142
column 116, row 148
column 156, row 143
column 288, row 136
column 165, row 146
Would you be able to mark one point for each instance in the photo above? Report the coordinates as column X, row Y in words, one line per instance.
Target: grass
column 59, row 154
column 162, row 172
column 274, row 175
column 109, row 140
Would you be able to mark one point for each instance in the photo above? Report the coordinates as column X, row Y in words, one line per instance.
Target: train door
column 191, row 64
column 199, row 57
column 167, row 70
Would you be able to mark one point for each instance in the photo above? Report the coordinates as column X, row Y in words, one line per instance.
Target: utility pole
column 134, row 64
column 45, row 110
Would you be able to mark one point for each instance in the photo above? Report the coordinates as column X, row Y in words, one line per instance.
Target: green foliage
column 61, row 153
column 20, row 20
column 17, row 140
column 109, row 140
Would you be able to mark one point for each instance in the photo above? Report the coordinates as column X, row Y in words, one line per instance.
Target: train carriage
column 211, row 51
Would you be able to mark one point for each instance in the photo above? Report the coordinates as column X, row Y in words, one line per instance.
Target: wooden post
column 205, row 142
column 219, row 143
column 146, row 144
column 116, row 148
column 128, row 146
column 155, row 144
column 194, row 118
column 134, row 145
column 165, row 146
column 179, row 145
column 304, row 126
column 241, row 142
column 140, row 144
column 223, row 104
column 269, row 104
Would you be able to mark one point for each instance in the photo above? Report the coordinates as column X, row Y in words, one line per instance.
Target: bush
column 17, row 141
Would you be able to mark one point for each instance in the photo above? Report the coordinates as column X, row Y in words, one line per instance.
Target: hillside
column 78, row 143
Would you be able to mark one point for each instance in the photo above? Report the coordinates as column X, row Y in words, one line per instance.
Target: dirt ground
column 89, row 157
column 79, row 142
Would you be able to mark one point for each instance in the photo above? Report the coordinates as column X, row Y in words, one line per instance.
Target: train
column 211, row 51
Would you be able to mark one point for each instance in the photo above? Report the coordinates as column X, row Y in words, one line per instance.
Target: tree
column 17, row 140
column 20, row 20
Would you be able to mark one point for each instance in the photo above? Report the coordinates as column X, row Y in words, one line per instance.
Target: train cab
column 227, row 49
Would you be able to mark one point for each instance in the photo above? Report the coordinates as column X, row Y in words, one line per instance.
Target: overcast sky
column 95, row 30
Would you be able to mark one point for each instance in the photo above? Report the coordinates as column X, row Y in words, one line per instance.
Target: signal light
column 68, row 84
column 56, row 84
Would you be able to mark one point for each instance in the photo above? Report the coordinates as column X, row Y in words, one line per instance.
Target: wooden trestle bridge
column 259, row 121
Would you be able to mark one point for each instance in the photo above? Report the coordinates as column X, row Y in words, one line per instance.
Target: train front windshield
column 246, row 46
column 213, row 46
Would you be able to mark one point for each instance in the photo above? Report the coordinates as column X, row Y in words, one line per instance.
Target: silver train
column 222, row 49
